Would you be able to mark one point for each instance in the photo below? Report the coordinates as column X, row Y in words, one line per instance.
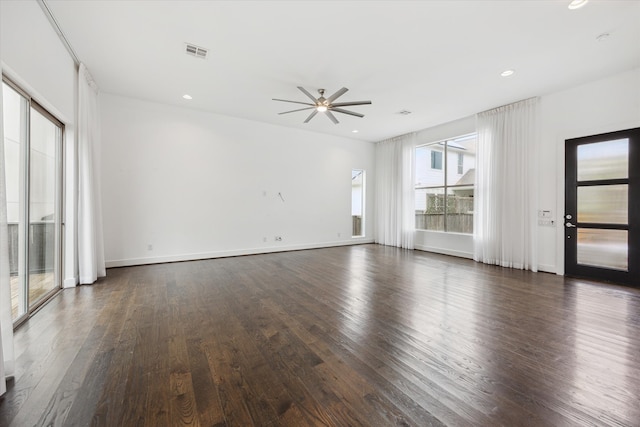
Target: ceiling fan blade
column 303, row 90
column 336, row 95
column 348, row 104
column 293, row 111
column 295, row 102
column 313, row 113
column 351, row 113
column 331, row 116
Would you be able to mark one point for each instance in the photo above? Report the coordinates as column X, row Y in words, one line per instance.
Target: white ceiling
column 441, row 60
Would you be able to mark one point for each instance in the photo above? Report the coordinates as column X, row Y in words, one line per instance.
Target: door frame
column 58, row 208
column 59, row 203
column 570, row 185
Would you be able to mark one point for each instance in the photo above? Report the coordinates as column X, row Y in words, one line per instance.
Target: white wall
column 602, row 106
column 182, row 184
column 34, row 58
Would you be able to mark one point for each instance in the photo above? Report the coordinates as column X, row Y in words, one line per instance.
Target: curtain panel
column 6, row 322
column 395, row 192
column 505, row 224
column 91, row 264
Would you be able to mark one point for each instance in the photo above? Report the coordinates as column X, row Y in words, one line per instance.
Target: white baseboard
column 70, row 282
column 547, row 268
column 230, row 253
column 444, row 251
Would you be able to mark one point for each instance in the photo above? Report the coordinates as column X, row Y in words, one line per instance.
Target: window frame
column 361, row 219
column 445, row 187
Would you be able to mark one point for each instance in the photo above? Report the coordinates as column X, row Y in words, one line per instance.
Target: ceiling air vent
column 197, row 51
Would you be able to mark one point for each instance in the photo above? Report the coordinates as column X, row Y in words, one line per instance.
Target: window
column 436, row 160
column 357, row 203
column 445, row 177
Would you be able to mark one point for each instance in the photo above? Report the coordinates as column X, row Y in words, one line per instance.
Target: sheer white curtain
column 90, row 240
column 6, row 323
column 505, row 223
column 395, row 193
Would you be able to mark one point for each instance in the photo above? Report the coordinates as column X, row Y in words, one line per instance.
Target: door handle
column 569, row 225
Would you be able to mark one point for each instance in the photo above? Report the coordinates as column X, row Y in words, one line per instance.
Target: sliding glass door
column 33, row 153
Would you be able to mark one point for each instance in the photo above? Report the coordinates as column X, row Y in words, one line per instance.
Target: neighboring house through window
column 445, row 178
column 436, row 160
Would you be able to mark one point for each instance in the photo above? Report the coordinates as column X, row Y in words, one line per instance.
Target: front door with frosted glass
column 602, row 207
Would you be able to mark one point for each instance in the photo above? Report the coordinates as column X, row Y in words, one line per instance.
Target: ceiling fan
column 325, row 105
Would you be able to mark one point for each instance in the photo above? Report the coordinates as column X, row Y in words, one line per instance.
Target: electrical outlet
column 264, row 239
column 339, row 234
column 278, row 238
column 149, row 247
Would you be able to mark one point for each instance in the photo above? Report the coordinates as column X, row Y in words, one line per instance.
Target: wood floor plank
column 183, row 410
column 241, row 370
column 207, row 398
column 364, row 335
column 110, row 404
column 333, row 341
column 269, row 336
column 58, row 365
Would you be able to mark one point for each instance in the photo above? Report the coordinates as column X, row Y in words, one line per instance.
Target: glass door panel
column 603, row 160
column 43, row 206
column 603, row 248
column 605, row 204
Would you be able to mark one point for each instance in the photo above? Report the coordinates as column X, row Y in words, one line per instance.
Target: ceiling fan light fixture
column 321, row 108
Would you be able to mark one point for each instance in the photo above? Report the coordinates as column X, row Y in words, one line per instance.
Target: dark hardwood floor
column 364, row 335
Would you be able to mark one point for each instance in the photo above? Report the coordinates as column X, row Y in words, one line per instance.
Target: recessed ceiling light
column 577, row 4
column 507, row 73
column 355, row 131
column 185, row 96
